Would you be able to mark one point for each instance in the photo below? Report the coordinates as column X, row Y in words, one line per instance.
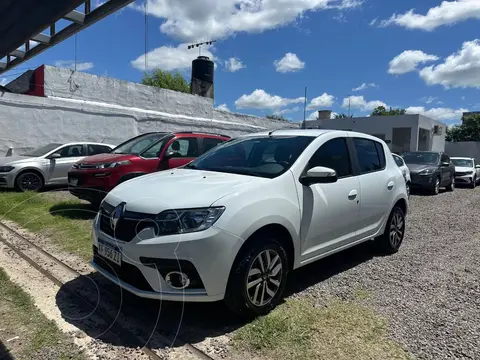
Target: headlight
column 187, row 220
column 5, row 169
column 427, row 172
column 113, row 164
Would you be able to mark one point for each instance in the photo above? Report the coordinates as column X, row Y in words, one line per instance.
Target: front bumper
column 7, row 180
column 464, row 179
column 210, row 252
column 89, row 185
column 422, row 181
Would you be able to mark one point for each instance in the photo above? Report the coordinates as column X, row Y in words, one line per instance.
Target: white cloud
column 234, row 64
column 447, row 13
column 463, row 98
column 4, row 81
column 323, row 101
column 170, row 58
column 259, row 99
column 459, row 70
column 341, row 18
column 287, row 111
column 428, row 99
column 365, row 86
column 289, row 63
column 70, row 64
column 408, row 61
column 359, row 102
column 223, row 107
column 442, row 114
column 190, row 20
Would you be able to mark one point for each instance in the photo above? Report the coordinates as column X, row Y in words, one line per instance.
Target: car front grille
column 87, row 166
column 462, row 173
column 126, row 272
column 127, row 227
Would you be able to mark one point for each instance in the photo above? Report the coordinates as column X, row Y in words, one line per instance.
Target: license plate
column 109, row 253
column 73, row 182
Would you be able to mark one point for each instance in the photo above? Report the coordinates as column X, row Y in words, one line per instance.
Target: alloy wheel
column 397, row 227
column 30, row 182
column 437, row 186
column 264, row 277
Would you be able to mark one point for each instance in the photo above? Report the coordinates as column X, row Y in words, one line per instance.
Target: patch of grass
column 342, row 330
column 37, row 335
column 67, row 223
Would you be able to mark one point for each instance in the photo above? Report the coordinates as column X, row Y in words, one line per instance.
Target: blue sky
column 420, row 55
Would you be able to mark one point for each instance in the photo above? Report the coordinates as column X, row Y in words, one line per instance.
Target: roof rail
column 201, row 132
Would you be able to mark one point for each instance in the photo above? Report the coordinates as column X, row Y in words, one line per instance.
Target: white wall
column 436, row 142
column 28, row 121
column 463, row 149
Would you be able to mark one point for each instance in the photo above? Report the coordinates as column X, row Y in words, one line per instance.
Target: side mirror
column 445, row 164
column 54, row 156
column 319, row 175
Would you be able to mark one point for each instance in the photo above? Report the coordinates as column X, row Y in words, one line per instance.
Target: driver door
column 188, row 151
column 69, row 155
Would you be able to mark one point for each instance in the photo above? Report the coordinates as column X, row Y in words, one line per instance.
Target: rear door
column 188, row 149
column 94, row 149
column 447, row 171
column 208, row 143
column 377, row 185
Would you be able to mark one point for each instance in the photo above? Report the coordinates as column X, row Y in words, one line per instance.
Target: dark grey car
column 430, row 170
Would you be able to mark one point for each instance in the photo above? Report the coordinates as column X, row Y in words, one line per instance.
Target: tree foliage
column 382, row 111
column 167, row 80
column 341, row 116
column 469, row 130
column 276, row 117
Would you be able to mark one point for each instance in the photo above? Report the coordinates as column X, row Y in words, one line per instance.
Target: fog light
column 177, row 280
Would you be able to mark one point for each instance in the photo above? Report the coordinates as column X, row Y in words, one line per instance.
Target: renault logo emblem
column 116, row 215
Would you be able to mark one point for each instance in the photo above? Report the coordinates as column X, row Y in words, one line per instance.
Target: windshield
column 42, row 150
column 256, row 156
column 462, row 162
column 421, row 158
column 136, row 145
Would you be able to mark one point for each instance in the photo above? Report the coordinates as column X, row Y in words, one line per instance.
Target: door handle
column 390, row 185
column 352, row 194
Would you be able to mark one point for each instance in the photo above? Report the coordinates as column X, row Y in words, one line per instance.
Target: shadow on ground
column 74, row 211
column 192, row 322
column 4, row 353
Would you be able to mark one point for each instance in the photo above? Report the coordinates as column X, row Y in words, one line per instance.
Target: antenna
column 304, row 125
column 199, row 45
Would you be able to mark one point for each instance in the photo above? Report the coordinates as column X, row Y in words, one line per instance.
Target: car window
column 94, row 149
column 463, row 162
column 369, row 155
column 154, row 150
column 246, row 155
column 398, row 160
column 209, row 143
column 334, row 155
column 184, row 147
column 72, row 151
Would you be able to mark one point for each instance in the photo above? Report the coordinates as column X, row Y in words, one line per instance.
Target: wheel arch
column 33, row 170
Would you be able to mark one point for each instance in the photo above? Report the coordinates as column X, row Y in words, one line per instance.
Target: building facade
column 400, row 132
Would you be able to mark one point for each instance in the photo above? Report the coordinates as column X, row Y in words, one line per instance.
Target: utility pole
column 349, row 99
column 304, row 124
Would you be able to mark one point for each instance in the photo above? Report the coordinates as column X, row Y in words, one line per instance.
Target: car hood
column 419, row 167
column 105, row 158
column 178, row 189
column 463, row 168
column 16, row 160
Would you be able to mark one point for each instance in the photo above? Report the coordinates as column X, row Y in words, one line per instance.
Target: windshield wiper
column 190, row 166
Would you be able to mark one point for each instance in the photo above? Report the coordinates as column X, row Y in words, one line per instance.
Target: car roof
column 86, row 143
column 311, row 133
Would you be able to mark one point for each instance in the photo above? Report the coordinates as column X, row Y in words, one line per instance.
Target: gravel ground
column 429, row 292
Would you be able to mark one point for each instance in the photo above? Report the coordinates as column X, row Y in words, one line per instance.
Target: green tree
column 167, row 80
column 382, row 111
column 276, row 117
column 341, row 116
column 468, row 130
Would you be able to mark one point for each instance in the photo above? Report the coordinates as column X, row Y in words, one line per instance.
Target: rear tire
column 258, row 277
column 29, row 181
column 392, row 238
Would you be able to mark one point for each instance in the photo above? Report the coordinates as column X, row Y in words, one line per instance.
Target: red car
column 94, row 176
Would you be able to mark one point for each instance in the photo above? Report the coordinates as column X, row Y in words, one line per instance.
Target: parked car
column 93, row 177
column 234, row 222
column 430, row 170
column 47, row 165
column 405, row 171
column 467, row 171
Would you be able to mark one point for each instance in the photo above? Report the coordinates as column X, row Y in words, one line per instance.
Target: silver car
column 47, row 165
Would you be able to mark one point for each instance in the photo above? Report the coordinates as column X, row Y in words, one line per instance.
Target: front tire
column 258, row 278
column 436, row 187
column 474, row 182
column 451, row 186
column 392, row 238
column 29, row 181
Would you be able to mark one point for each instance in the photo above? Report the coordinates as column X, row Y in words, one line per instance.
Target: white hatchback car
column 404, row 169
column 232, row 224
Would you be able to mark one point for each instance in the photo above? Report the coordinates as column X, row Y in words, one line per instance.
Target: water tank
column 202, row 77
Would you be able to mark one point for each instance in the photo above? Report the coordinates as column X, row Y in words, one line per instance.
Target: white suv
column 232, row 224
